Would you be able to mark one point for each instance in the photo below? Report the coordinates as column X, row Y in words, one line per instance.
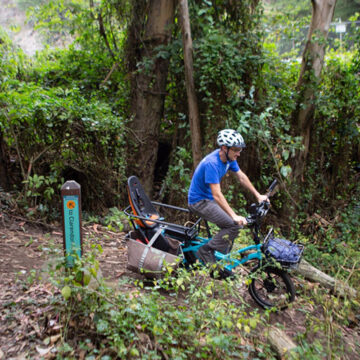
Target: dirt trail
column 24, row 252
column 25, row 248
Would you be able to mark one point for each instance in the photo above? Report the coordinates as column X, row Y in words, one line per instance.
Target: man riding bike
column 206, row 199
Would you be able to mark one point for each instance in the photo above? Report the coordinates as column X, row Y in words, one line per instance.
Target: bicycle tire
column 271, row 288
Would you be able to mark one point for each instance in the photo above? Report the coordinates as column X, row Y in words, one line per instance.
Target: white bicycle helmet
column 230, row 138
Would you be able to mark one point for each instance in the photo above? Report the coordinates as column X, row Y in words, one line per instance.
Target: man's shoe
column 222, row 273
column 206, row 254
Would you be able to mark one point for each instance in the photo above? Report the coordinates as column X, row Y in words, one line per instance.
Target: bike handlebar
column 261, row 209
column 271, row 187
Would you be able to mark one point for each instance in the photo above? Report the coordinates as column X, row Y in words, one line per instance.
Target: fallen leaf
column 52, row 322
column 43, row 351
column 36, row 328
column 72, row 323
column 54, row 339
column 82, row 354
column 21, row 356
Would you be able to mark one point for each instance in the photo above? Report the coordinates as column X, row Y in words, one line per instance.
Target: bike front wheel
column 271, row 287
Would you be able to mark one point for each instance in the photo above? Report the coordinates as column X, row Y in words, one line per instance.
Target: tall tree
column 150, row 29
column 189, row 79
column 4, row 181
column 311, row 66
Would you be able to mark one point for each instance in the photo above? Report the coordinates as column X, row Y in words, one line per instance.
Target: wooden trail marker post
column 71, row 211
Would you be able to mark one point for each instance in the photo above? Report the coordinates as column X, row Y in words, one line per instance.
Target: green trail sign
column 71, row 210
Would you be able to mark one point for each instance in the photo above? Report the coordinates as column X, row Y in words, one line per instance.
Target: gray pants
column 209, row 210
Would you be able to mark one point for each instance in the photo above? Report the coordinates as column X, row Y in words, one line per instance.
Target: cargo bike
column 155, row 243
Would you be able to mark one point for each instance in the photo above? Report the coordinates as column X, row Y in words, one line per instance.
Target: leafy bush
column 337, row 135
column 63, row 111
column 334, row 247
column 58, row 133
column 180, row 317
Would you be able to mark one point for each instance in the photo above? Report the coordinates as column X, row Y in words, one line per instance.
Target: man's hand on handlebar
column 240, row 220
column 262, row 198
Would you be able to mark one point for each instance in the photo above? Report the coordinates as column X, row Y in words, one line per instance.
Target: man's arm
column 222, row 202
column 246, row 183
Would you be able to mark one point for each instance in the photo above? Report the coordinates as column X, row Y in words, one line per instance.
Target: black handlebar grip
column 272, row 186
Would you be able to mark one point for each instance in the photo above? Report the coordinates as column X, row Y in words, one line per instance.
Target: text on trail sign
column 72, row 228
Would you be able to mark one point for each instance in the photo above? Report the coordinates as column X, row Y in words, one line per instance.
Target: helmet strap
column 226, row 154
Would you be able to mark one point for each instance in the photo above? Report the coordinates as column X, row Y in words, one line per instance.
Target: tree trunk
column 4, row 181
column 313, row 274
column 149, row 91
column 311, row 66
column 189, row 79
column 280, row 342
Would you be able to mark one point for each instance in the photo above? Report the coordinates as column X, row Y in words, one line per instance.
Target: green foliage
column 286, row 25
column 12, row 60
column 291, row 9
column 345, row 9
column 40, row 194
column 226, row 66
column 97, row 25
column 336, row 243
column 182, row 315
column 178, row 170
column 338, row 105
column 115, row 219
column 355, row 38
column 185, row 316
column 56, row 131
column 62, row 116
column 331, row 172
column 336, row 312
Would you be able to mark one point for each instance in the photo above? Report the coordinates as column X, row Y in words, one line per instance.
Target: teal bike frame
column 231, row 259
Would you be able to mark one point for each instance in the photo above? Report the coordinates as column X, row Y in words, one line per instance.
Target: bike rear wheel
column 271, row 287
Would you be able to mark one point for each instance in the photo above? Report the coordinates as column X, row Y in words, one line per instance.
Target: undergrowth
column 178, row 317
column 186, row 315
column 334, row 246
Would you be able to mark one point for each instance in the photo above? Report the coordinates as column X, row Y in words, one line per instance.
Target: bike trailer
column 153, row 243
column 284, row 251
column 146, row 259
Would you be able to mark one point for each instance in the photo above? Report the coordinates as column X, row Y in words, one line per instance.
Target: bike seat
column 140, row 204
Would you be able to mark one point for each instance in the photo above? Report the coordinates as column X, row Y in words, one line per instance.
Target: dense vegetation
column 66, row 114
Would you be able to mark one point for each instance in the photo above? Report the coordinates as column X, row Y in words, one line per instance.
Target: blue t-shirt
column 210, row 171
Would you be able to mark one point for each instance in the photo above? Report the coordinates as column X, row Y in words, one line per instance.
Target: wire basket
column 283, row 251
